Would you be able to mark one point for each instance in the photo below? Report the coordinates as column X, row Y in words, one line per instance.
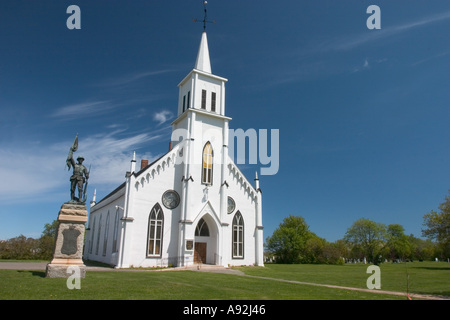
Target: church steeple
column 200, row 89
column 203, row 63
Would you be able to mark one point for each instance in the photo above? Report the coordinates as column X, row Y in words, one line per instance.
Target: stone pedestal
column 69, row 242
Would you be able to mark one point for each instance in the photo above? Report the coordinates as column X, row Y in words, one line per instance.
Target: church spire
column 201, row 89
column 203, row 63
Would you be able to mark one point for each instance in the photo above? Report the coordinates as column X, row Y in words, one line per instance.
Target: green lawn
column 420, row 277
column 432, row 278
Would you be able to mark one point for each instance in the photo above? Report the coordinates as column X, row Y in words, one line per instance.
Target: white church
column 192, row 205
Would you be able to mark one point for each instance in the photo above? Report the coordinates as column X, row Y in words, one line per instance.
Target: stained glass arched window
column 207, row 166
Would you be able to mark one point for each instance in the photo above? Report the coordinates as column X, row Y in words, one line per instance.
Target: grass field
column 417, row 277
column 424, row 277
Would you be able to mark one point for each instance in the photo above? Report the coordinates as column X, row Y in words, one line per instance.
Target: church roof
column 136, row 174
column 203, row 63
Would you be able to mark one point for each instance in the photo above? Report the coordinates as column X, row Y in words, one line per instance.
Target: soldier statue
column 79, row 177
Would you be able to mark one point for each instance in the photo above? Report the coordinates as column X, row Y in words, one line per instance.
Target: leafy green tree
column 318, row 250
column 422, row 249
column 288, row 241
column 438, row 227
column 333, row 253
column 342, row 247
column 24, row 248
column 314, row 250
column 47, row 240
column 46, row 246
column 397, row 243
column 50, row 229
column 19, row 247
column 367, row 238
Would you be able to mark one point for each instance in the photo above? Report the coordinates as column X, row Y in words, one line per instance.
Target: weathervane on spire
column 205, row 19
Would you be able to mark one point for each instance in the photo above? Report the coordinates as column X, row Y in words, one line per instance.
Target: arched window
column 155, row 231
column 92, row 236
column 207, row 166
column 116, row 231
column 238, row 236
column 98, row 234
column 202, row 229
column 105, row 237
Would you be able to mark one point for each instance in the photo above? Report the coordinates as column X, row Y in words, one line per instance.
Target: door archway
column 206, row 237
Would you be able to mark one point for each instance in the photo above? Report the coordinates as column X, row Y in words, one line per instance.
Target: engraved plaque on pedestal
column 69, row 241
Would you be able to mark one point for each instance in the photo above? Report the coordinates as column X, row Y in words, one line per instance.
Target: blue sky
column 363, row 114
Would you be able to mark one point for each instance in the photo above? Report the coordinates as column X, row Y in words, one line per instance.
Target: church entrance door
column 200, row 252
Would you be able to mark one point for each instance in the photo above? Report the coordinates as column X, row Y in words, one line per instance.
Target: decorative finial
column 133, row 163
column 93, row 201
column 257, row 182
column 205, row 19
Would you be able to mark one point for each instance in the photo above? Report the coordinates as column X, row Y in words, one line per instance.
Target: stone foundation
column 69, row 242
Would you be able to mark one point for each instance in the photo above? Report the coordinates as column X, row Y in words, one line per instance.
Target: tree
column 422, row 249
column 50, row 229
column 397, row 245
column 47, row 240
column 438, row 226
column 288, row 241
column 367, row 238
column 314, row 250
column 46, row 246
column 342, row 247
column 19, row 247
column 318, row 250
column 22, row 247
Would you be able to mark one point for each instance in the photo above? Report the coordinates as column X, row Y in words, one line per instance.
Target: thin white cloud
column 130, row 78
column 366, row 64
column 82, row 109
column 435, row 56
column 162, row 116
column 39, row 172
column 309, row 59
column 110, row 156
column 33, row 172
column 424, row 21
column 348, row 43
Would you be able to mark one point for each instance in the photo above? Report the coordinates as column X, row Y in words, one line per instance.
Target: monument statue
column 68, row 250
column 80, row 175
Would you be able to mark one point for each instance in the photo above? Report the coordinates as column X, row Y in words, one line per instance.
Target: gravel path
column 23, row 265
column 41, row 266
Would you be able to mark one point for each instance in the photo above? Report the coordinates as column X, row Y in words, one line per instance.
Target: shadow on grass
column 91, row 263
column 445, row 294
column 40, row 274
column 432, row 268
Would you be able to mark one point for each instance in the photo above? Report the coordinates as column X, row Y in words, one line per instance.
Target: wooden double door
column 200, row 252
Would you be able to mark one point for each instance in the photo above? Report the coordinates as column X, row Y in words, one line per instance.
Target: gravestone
column 69, row 242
